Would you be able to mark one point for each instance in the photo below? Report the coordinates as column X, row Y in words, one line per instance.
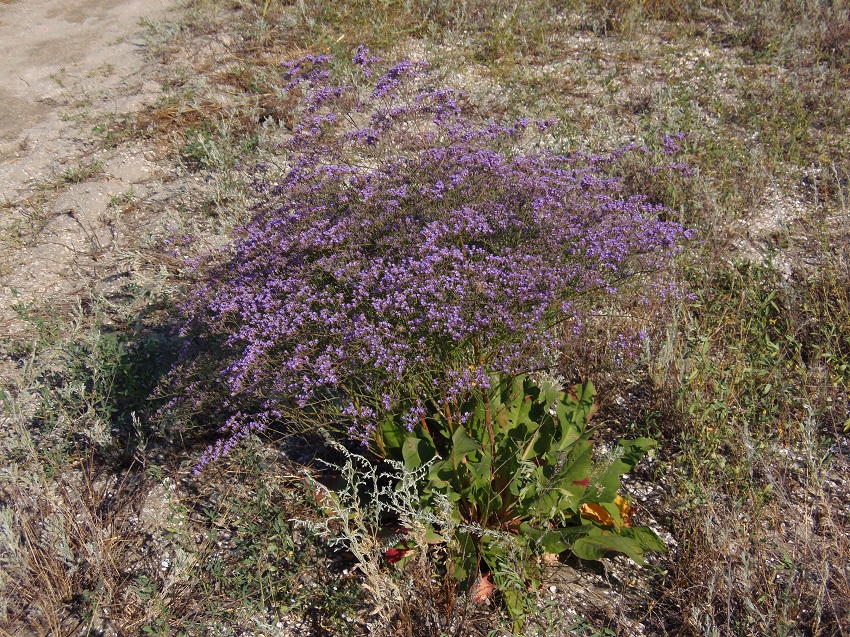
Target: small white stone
column 553, row 589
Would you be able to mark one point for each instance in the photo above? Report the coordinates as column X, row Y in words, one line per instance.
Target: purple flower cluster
column 411, row 248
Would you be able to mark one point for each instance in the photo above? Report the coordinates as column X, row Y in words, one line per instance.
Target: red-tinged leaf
column 485, row 589
column 582, row 483
column 394, row 556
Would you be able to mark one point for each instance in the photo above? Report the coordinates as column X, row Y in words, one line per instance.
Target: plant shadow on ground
column 77, row 443
column 105, row 532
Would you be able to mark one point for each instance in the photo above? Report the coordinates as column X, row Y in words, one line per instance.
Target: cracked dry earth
column 67, row 66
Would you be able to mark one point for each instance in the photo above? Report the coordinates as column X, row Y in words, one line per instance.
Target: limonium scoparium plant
column 411, row 248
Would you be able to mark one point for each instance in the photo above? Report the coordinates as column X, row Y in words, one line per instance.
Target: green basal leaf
column 463, row 565
column 646, row 538
column 614, row 511
column 514, row 487
column 416, row 452
column 541, row 506
column 522, row 419
column 551, row 394
column 574, row 412
column 543, row 442
column 607, row 483
column 442, row 474
column 585, row 393
column 632, row 542
column 559, row 540
column 462, row 446
column 391, row 437
column 475, row 425
column 481, row 473
column 487, row 500
column 554, row 494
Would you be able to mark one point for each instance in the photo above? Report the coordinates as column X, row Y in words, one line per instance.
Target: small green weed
column 254, row 553
column 218, row 147
column 82, row 172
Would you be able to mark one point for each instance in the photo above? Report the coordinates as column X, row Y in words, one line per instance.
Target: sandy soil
column 65, row 64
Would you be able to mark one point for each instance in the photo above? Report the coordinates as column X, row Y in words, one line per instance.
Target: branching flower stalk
column 411, row 249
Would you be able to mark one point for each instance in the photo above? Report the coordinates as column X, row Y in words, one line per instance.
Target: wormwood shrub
column 411, row 248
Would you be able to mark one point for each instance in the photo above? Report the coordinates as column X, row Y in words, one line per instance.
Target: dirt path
column 65, row 65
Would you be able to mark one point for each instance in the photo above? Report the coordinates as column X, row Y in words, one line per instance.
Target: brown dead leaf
column 485, row 589
column 549, row 559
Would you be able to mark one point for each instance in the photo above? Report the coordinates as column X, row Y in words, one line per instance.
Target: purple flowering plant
column 411, row 249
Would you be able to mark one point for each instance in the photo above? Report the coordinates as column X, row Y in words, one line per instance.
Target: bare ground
column 68, row 66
